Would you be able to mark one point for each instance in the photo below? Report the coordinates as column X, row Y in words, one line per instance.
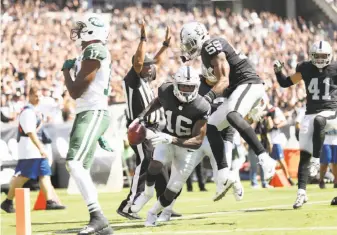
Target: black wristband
column 210, row 96
column 142, row 38
column 165, row 44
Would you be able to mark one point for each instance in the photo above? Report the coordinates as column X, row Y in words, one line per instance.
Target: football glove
column 278, row 65
column 104, row 144
column 68, row 64
column 161, row 138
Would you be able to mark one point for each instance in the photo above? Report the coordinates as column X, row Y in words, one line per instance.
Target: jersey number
column 213, row 47
column 314, row 90
column 179, row 129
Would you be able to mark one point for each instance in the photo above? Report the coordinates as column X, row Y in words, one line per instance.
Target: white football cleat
column 224, row 183
column 151, row 220
column 238, row 190
column 314, row 166
column 268, row 166
column 301, row 199
column 165, row 216
column 140, row 201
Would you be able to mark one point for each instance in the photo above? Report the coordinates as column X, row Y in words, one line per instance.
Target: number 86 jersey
column 321, row 86
column 241, row 71
column 181, row 117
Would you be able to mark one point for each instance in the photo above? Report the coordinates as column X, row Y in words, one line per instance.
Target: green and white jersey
column 96, row 96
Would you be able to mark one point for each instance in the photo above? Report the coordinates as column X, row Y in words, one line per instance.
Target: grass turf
column 263, row 211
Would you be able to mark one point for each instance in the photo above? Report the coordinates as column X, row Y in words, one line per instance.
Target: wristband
column 143, row 38
column 165, row 44
column 210, row 96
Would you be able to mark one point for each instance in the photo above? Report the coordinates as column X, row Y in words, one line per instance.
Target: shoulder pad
column 95, row 51
column 301, row 65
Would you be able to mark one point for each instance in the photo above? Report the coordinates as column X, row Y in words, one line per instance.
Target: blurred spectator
column 36, row 42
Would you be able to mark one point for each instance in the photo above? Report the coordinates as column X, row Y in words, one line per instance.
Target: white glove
column 161, row 138
column 278, row 65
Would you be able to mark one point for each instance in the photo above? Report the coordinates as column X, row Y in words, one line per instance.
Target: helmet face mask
column 321, row 54
column 186, row 84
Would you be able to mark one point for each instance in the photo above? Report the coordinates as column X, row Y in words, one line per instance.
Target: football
column 136, row 133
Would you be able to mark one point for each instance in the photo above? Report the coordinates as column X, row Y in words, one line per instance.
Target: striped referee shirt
column 138, row 95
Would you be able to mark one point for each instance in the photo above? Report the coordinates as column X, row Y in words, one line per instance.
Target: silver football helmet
column 321, row 54
column 192, row 37
column 186, row 84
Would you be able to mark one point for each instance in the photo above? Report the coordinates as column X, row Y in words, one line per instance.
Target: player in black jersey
column 244, row 91
column 320, row 78
column 186, row 121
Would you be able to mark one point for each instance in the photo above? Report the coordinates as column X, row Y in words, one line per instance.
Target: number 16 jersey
column 96, row 96
column 321, row 86
column 241, row 71
column 181, row 117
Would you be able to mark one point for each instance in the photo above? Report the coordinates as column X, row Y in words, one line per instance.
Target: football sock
column 170, row 207
column 164, row 201
column 157, row 207
column 303, row 170
column 217, row 145
column 85, row 185
column 318, row 136
column 228, row 153
column 246, row 131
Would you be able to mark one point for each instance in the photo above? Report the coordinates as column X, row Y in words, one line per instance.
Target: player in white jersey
column 89, row 86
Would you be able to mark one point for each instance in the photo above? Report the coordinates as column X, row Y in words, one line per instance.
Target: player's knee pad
column 155, row 167
column 175, row 186
column 235, row 119
column 319, row 122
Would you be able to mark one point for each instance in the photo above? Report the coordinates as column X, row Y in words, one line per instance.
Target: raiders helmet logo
column 95, row 21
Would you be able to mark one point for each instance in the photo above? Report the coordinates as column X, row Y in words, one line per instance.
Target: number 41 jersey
column 181, row 117
column 241, row 71
column 321, row 86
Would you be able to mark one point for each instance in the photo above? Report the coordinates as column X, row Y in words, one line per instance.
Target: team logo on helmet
column 95, row 21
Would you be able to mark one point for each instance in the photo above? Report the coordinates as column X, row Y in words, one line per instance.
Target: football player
column 186, row 121
column 244, row 90
column 227, row 135
column 320, row 77
column 89, row 86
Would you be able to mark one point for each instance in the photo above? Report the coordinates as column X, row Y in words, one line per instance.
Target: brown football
column 136, row 133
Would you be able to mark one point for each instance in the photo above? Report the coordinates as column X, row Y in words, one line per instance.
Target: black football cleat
column 130, row 215
column 334, row 202
column 52, row 205
column 98, row 225
column 322, row 184
column 7, row 206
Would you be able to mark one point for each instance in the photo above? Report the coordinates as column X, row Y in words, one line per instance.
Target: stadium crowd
column 36, row 41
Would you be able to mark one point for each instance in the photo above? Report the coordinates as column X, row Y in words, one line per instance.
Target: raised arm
column 160, row 54
column 139, row 56
column 283, row 80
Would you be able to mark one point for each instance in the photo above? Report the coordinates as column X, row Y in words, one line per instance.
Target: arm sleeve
column 28, row 121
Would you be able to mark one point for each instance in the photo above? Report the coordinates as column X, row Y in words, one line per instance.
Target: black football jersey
column 321, row 86
column 181, row 117
column 204, row 88
column 241, row 71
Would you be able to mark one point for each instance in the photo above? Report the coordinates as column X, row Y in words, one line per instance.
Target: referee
column 138, row 95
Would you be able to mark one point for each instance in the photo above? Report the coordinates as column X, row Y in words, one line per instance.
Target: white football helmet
column 91, row 27
column 186, row 84
column 192, row 37
column 321, row 54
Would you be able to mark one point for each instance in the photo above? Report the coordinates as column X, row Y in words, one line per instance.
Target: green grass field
column 263, row 211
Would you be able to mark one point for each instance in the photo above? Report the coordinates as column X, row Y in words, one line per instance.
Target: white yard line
column 194, row 216
column 236, row 230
